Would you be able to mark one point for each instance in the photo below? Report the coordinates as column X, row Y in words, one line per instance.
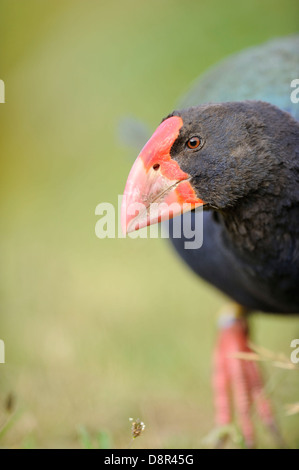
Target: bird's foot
column 237, row 382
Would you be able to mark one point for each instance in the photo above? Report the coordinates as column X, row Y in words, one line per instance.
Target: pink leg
column 237, row 382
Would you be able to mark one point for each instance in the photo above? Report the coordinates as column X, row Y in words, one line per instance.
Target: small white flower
column 137, row 427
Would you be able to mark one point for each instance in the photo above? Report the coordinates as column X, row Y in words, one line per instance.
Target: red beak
column 157, row 189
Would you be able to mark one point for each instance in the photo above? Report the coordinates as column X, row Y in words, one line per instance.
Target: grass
column 97, row 331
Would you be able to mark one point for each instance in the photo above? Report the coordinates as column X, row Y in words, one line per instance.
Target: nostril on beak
column 156, row 166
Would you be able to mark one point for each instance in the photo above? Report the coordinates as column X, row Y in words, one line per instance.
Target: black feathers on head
column 248, row 147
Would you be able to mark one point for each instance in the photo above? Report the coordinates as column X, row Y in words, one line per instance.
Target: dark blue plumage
column 265, row 274
column 261, row 73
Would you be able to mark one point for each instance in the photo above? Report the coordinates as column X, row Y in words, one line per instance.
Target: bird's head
column 210, row 155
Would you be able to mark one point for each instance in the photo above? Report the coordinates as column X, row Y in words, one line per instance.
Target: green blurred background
column 97, row 331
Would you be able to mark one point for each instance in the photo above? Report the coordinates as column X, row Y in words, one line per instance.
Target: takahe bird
column 236, row 152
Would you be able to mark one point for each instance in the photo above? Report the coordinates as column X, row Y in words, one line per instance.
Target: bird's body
column 217, row 264
column 254, row 238
column 234, row 148
column 264, row 73
column 268, row 279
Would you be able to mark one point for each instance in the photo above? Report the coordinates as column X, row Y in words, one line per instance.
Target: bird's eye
column 194, row 142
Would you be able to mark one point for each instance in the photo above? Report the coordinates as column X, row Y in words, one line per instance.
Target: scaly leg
column 236, row 381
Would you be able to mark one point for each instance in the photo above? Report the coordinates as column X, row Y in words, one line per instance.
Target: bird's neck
column 257, row 229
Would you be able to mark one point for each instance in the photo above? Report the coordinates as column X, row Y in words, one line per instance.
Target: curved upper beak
column 157, row 189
